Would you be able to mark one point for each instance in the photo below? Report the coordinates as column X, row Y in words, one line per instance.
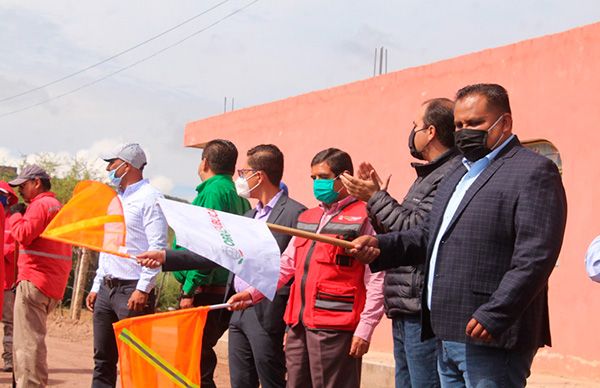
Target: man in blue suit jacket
column 490, row 244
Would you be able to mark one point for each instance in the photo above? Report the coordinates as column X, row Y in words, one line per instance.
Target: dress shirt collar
column 486, row 160
column 336, row 206
column 262, row 210
column 132, row 188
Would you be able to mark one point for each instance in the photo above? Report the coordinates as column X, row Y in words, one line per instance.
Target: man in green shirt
column 206, row 287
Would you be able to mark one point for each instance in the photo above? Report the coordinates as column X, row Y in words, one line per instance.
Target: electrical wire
column 112, row 56
column 86, row 85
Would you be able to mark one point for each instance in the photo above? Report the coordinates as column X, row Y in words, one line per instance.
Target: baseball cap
column 29, row 172
column 9, row 192
column 131, row 153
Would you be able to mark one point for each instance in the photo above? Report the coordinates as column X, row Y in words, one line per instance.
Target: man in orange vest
column 44, row 268
column 335, row 302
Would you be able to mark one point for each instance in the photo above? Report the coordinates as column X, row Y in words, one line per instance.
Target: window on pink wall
column 545, row 148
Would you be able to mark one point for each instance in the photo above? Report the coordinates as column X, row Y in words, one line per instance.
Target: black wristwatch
column 186, row 296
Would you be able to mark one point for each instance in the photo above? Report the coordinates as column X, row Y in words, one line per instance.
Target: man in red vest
column 335, row 301
column 44, row 268
column 8, row 198
column 3, row 201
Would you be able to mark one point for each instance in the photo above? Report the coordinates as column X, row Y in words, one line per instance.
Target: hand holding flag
column 151, row 259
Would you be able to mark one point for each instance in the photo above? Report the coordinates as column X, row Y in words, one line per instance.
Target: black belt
column 111, row 282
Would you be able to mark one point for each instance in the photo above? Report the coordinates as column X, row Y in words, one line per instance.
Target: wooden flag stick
column 311, row 236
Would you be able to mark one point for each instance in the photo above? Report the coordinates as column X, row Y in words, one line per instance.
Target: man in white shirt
column 592, row 260
column 122, row 288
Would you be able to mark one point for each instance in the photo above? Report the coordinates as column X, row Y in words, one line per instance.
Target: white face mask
column 242, row 187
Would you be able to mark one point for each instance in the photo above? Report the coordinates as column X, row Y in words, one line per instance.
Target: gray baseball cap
column 131, row 153
column 28, row 173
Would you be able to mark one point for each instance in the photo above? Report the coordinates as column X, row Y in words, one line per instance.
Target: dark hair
column 440, row 113
column 496, row 95
column 46, row 185
column 267, row 158
column 221, row 156
column 338, row 160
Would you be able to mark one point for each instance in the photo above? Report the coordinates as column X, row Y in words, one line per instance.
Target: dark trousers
column 319, row 359
column 416, row 360
column 217, row 322
column 255, row 355
column 110, row 307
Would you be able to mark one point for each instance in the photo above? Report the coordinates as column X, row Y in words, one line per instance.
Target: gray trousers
column 7, row 322
column 255, row 355
column 319, row 359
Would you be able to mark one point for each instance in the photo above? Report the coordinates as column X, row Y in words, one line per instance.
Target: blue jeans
column 416, row 361
column 478, row 366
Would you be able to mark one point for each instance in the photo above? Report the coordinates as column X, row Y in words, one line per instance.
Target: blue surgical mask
column 324, row 191
column 3, row 200
column 113, row 178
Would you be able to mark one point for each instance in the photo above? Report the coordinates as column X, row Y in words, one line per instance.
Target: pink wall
column 554, row 86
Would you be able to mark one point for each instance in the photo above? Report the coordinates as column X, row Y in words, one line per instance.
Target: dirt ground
column 70, row 363
column 70, row 353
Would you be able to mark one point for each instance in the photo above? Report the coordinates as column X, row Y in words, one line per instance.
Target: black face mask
column 411, row 145
column 472, row 143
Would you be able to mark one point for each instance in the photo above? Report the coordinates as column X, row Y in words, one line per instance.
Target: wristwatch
column 186, row 296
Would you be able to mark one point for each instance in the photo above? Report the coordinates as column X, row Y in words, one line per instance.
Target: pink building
column 554, row 86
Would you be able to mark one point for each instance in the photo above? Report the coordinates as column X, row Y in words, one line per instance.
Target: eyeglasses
column 243, row 171
column 414, row 128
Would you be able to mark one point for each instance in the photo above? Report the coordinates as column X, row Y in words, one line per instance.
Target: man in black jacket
column 490, row 243
column 431, row 139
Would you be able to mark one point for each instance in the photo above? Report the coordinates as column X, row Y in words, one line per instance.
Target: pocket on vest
column 334, row 305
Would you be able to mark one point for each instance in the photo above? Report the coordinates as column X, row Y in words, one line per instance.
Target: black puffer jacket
column 403, row 285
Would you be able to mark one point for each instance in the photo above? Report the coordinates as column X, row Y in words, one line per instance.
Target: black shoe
column 7, row 368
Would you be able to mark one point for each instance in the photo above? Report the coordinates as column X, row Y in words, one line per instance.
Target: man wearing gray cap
column 122, row 288
column 44, row 268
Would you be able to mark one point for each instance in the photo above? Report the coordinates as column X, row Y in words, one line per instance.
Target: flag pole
column 311, row 236
column 219, row 306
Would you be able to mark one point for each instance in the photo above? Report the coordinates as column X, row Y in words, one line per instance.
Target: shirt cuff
column 96, row 285
column 188, row 288
column 145, row 285
column 364, row 331
column 256, row 295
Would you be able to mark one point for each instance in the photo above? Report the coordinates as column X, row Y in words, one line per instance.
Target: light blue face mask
column 324, row 191
column 113, row 178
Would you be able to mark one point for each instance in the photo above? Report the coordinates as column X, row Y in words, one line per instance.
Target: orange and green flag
column 161, row 350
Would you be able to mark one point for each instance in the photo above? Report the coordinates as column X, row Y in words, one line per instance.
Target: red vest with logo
column 328, row 290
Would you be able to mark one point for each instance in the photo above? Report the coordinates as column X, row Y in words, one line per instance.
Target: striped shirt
column 146, row 230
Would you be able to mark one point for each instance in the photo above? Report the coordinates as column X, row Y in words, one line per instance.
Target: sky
column 271, row 50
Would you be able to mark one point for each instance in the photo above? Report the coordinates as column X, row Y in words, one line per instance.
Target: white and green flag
column 243, row 245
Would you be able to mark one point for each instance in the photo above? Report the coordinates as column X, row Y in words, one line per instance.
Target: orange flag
column 161, row 350
column 93, row 218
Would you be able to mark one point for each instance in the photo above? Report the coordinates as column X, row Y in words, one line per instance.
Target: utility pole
column 81, row 271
